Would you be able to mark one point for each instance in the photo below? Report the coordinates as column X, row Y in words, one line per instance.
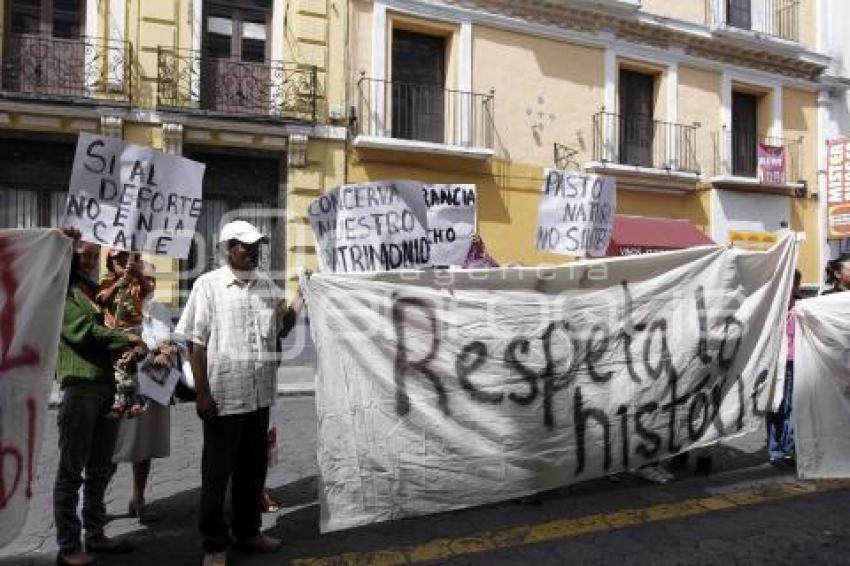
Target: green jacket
column 86, row 346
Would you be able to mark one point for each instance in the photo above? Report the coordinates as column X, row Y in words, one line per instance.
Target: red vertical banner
column 838, row 187
column 771, row 164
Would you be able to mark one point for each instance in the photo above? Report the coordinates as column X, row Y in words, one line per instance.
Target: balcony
column 86, row 69
column 273, row 90
column 424, row 118
column 642, row 143
column 774, row 18
column 765, row 162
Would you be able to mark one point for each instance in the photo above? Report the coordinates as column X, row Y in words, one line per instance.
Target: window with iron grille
column 418, row 86
column 744, row 134
column 43, row 48
column 636, row 122
column 739, row 13
column 34, row 177
column 236, row 54
column 237, row 182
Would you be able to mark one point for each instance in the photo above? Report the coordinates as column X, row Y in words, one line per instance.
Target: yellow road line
column 444, row 549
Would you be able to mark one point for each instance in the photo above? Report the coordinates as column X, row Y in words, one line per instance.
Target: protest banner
column 838, row 187
column 390, row 225
column 464, row 388
column 771, row 164
column 821, row 405
column 452, row 211
column 134, row 197
column 34, row 266
column 576, row 214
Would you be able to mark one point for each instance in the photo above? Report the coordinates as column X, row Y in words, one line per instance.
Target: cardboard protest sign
column 821, row 406
column 465, row 388
column 134, row 197
column 34, row 267
column 390, row 225
column 576, row 214
column 451, row 221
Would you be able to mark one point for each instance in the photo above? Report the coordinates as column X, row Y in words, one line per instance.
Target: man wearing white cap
column 233, row 319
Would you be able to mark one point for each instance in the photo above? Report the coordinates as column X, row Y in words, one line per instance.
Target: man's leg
column 221, row 444
column 99, row 466
column 76, row 420
column 249, row 475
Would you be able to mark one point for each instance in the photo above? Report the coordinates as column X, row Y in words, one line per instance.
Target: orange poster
column 838, row 187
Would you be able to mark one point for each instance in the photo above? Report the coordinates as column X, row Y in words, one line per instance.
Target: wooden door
column 637, row 125
column 418, row 86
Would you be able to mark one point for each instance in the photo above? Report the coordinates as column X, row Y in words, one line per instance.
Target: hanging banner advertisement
column 34, row 266
column 771, row 164
column 838, row 187
column 455, row 389
column 822, row 387
column 387, row 225
column 134, row 197
column 576, row 214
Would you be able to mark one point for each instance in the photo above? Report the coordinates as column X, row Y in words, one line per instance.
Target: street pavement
column 745, row 512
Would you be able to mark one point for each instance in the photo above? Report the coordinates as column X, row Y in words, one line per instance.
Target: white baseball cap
column 240, row 230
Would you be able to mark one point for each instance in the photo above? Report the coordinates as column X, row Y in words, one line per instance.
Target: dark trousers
column 86, row 442
column 236, row 449
column 780, row 426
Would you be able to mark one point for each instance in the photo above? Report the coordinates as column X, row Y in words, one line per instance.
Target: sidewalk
column 173, row 492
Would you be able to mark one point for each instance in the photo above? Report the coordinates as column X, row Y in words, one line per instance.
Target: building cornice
column 595, row 23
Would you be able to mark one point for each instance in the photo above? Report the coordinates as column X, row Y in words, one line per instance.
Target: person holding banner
column 838, row 274
column 232, row 320
column 780, row 426
column 86, row 435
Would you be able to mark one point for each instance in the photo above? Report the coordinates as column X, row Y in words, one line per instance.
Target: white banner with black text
column 445, row 389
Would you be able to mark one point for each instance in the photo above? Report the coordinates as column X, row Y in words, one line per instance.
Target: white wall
column 751, row 212
column 834, row 113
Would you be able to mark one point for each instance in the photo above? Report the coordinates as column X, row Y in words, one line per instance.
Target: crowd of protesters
column 114, row 330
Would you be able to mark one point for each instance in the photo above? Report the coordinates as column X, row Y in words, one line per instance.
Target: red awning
column 634, row 235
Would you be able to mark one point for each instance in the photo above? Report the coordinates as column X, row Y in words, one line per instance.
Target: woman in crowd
column 838, row 274
column 780, row 427
column 148, row 435
column 86, row 434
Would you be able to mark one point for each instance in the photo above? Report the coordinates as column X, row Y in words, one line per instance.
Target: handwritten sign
column 451, row 221
column 838, row 187
column 134, row 197
column 34, row 267
column 771, row 164
column 576, row 214
column 391, row 225
column 460, row 399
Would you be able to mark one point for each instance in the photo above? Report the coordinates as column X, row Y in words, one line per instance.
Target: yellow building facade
column 682, row 101
column 256, row 89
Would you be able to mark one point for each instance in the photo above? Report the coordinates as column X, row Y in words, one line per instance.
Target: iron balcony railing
column 772, row 160
column 777, row 18
column 645, row 142
column 427, row 113
column 85, row 68
column 272, row 90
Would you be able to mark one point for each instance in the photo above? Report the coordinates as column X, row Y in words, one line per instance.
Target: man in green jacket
column 86, row 436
